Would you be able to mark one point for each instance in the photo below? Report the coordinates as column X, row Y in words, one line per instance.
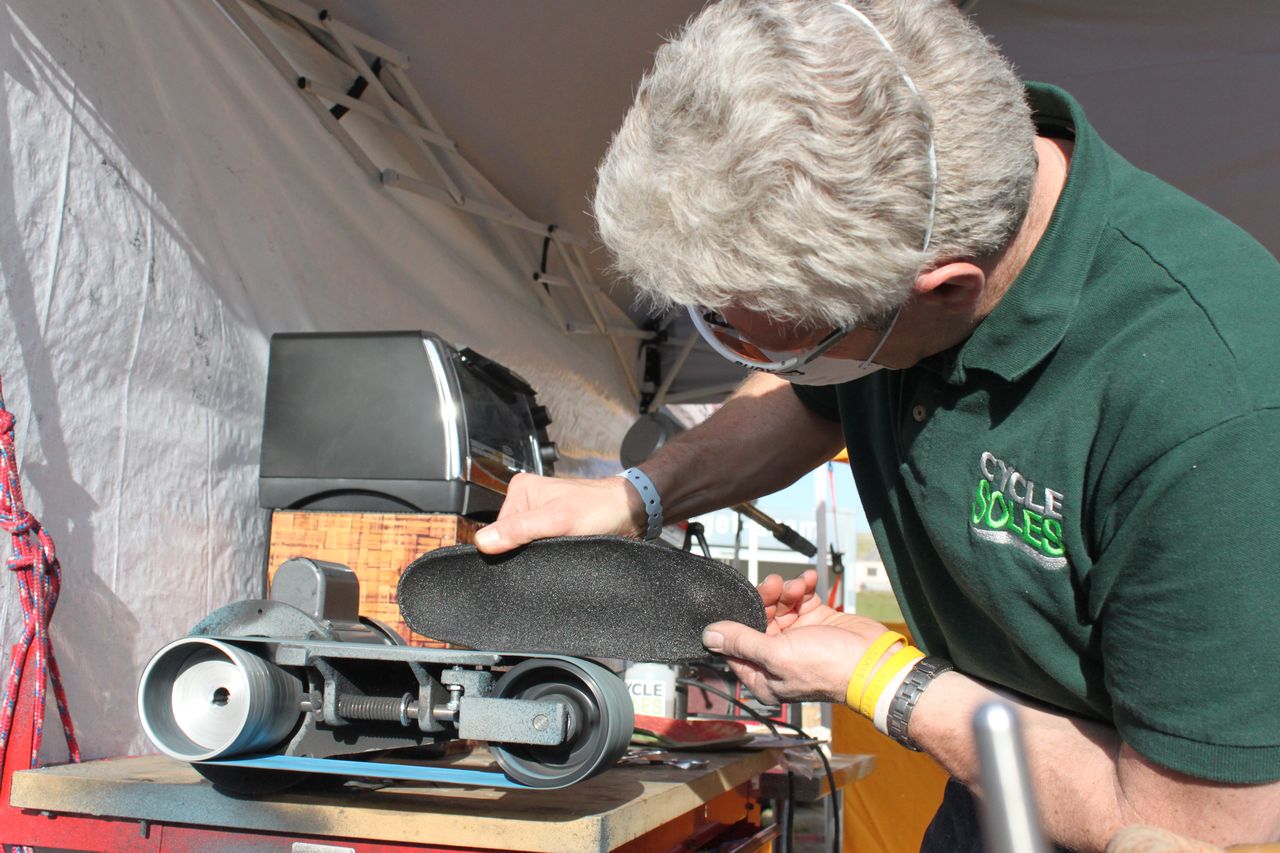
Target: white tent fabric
column 166, row 203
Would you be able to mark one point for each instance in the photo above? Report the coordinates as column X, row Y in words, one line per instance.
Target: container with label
column 653, row 690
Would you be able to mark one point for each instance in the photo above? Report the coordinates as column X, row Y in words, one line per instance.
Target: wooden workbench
column 600, row 814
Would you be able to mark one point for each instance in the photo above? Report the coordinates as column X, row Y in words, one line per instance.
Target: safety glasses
column 729, row 342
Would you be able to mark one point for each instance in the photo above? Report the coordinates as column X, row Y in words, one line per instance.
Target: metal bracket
column 513, row 721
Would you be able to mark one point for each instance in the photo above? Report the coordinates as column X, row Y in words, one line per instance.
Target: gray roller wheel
column 600, row 721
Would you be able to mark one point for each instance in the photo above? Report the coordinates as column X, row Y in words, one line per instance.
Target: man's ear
column 955, row 287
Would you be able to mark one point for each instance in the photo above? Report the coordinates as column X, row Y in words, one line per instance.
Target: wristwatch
column 904, row 701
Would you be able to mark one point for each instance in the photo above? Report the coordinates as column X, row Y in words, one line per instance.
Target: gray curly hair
column 776, row 158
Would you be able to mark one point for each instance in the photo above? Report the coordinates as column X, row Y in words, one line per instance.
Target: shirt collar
column 1033, row 315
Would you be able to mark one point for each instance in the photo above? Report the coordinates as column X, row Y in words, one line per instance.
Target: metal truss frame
column 439, row 171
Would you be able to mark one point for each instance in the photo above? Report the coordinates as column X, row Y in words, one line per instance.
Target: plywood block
column 604, row 813
column 377, row 546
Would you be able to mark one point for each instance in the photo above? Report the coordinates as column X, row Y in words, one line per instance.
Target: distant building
column 867, row 567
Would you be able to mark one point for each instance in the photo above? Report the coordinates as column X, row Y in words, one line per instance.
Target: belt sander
column 264, row 690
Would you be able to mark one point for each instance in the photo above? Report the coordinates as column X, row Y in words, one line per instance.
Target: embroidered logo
column 1005, row 510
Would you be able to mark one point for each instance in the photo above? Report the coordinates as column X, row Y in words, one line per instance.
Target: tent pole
column 341, row 33
column 357, row 106
column 236, row 12
column 307, row 14
column 685, row 349
column 406, row 111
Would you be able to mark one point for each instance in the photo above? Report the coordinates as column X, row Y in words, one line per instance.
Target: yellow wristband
column 903, row 658
column 861, row 672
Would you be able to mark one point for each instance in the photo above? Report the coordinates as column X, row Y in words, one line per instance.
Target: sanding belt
column 590, row 596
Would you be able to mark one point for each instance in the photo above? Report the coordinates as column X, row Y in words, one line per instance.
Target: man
column 1067, row 465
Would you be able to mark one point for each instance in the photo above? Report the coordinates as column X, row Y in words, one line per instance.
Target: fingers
column 810, row 600
column 784, row 601
column 810, row 578
column 793, row 593
column 735, row 640
column 742, row 649
column 754, row 680
column 770, row 590
column 540, row 507
column 519, row 529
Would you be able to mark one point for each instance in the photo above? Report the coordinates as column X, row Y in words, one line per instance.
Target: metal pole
column 780, row 531
column 587, row 292
column 672, row 372
column 619, row 331
column 239, row 16
column 1012, row 824
column 342, row 34
column 699, row 394
column 368, row 110
column 308, row 15
column 822, row 555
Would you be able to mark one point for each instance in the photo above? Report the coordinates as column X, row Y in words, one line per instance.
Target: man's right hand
column 764, row 434
column 541, row 507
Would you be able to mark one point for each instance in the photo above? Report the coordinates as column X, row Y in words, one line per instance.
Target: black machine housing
column 394, row 422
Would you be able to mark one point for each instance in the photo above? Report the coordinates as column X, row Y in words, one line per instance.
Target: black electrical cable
column 784, row 813
column 772, row 726
column 831, row 784
column 787, row 819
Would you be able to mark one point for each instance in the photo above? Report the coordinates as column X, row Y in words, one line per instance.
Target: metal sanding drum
column 591, row 596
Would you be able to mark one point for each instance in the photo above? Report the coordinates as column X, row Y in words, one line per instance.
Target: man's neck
column 1051, row 176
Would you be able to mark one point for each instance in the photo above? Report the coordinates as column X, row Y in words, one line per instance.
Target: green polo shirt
column 1080, row 502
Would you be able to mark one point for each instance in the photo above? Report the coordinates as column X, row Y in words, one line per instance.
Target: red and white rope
column 34, row 563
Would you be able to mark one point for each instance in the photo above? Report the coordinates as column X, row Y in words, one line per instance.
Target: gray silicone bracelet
column 652, row 501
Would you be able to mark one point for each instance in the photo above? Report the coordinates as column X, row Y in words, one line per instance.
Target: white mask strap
column 933, row 163
column 866, row 362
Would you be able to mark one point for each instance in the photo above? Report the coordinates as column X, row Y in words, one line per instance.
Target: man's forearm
column 1088, row 784
column 761, row 440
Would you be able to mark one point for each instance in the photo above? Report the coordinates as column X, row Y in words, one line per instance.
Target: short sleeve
column 1188, row 585
column 820, row 399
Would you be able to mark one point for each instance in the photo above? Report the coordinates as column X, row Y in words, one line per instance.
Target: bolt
column 540, row 723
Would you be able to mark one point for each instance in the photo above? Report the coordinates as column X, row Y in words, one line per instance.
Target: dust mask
column 825, row 370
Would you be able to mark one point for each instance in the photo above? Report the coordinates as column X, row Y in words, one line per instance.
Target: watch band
column 909, row 692
column 649, row 495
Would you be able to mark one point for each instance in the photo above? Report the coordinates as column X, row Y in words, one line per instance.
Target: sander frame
column 265, row 691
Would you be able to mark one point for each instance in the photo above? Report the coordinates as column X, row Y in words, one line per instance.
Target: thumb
column 735, row 640
column 516, row 530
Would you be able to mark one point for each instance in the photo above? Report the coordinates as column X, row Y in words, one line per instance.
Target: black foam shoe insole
column 592, row 596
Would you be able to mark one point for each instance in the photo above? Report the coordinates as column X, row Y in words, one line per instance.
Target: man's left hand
column 807, row 651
